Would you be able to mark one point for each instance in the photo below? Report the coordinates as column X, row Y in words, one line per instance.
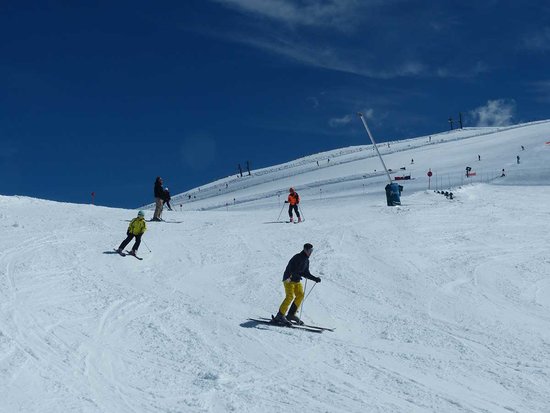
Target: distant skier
column 297, row 267
column 412, row 161
column 293, row 201
column 159, row 199
column 136, row 229
column 517, row 159
column 167, row 198
column 478, row 157
column 503, row 173
column 522, row 148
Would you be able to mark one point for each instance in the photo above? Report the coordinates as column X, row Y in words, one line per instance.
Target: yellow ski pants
column 294, row 291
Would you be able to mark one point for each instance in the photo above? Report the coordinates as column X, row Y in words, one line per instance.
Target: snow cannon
column 393, row 194
column 393, row 190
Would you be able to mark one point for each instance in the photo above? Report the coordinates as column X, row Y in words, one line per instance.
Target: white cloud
column 293, row 29
column 335, row 13
column 498, row 112
column 472, row 70
column 330, row 58
column 336, row 122
column 539, row 41
column 542, row 90
column 314, row 101
column 347, row 119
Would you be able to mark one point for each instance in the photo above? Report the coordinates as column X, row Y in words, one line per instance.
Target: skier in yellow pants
column 297, row 267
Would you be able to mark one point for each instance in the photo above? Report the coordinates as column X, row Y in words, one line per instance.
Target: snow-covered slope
column 357, row 170
column 438, row 306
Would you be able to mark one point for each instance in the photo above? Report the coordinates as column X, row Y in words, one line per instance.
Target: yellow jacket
column 137, row 226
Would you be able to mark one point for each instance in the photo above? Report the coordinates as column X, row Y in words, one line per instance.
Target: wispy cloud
column 314, row 101
column 498, row 112
column 328, row 13
column 336, row 122
column 541, row 89
column 331, row 58
column 472, row 70
column 350, row 36
column 347, row 119
column 538, row 41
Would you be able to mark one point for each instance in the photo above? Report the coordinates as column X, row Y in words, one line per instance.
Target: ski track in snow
column 437, row 305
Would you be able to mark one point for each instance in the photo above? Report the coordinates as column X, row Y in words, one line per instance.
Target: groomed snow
column 438, row 305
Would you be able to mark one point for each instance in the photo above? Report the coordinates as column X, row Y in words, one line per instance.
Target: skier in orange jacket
column 293, row 201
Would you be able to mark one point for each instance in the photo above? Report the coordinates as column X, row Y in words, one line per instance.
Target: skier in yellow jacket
column 136, row 229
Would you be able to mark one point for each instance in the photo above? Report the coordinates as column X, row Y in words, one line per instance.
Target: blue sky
column 105, row 97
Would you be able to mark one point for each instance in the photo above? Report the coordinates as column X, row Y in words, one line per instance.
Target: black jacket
column 298, row 267
column 159, row 190
column 166, row 196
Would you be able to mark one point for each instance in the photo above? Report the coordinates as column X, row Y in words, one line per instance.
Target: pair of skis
column 166, row 222
column 307, row 327
column 125, row 253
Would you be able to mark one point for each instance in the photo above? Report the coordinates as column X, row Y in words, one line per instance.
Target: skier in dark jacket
column 159, row 199
column 297, row 267
column 167, row 198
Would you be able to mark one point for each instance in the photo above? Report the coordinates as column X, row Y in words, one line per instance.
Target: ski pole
column 302, row 212
column 147, row 246
column 302, row 305
column 309, row 292
column 305, row 288
column 281, row 212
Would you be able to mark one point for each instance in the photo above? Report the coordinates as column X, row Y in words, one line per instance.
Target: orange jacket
column 294, row 198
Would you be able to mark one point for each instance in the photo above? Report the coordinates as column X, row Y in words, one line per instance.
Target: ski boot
column 291, row 220
column 281, row 320
column 299, row 219
column 291, row 316
column 132, row 252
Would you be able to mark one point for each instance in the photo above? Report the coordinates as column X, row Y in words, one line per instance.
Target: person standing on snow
column 136, row 229
column 297, row 267
column 293, row 201
column 167, row 198
column 159, row 199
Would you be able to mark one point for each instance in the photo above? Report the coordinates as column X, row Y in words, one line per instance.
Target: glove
column 286, row 202
column 317, row 279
